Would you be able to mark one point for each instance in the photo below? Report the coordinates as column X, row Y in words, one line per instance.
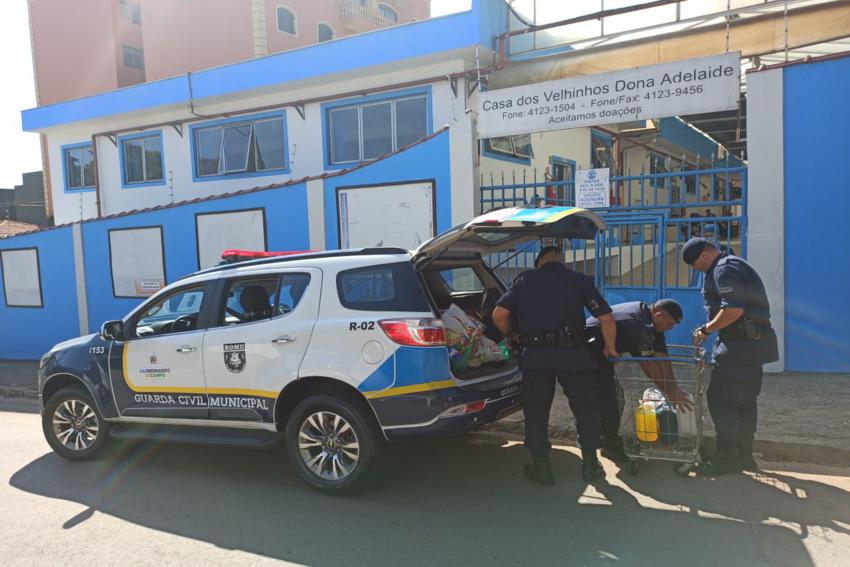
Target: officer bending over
column 738, row 309
column 640, row 332
column 545, row 308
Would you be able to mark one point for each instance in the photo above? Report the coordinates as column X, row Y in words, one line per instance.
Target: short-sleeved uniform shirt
column 732, row 282
column 636, row 334
column 549, row 299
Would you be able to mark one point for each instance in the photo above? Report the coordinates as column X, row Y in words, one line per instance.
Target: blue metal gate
column 638, row 257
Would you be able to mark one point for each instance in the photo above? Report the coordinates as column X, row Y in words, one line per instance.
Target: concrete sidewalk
column 802, row 417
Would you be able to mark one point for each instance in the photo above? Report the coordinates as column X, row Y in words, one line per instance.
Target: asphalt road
column 459, row 501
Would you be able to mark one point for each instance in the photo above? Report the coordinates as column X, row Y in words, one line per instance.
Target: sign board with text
column 593, row 188
column 704, row 84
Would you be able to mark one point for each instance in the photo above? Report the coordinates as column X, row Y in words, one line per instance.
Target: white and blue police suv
column 332, row 352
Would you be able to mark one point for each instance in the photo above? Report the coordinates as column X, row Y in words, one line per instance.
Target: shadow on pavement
column 458, row 501
column 753, row 498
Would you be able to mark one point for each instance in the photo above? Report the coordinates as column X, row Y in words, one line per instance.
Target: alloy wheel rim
column 328, row 445
column 75, row 425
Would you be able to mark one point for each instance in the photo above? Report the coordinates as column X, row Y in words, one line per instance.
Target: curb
column 769, row 450
column 18, row 391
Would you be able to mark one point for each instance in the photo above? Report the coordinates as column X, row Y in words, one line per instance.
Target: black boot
column 613, row 450
column 747, row 462
column 540, row 472
column 591, row 471
column 719, row 465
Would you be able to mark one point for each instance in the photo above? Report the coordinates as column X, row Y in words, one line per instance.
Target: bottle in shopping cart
column 646, row 422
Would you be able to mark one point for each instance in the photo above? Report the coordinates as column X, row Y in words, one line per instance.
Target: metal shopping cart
column 651, row 428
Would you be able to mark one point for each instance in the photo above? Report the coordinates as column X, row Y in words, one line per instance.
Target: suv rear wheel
column 73, row 425
column 331, row 443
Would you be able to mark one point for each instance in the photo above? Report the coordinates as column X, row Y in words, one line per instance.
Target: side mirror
column 112, row 330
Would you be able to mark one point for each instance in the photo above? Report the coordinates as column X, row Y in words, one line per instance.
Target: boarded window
column 21, row 278
column 388, row 215
column 137, row 262
column 217, row 232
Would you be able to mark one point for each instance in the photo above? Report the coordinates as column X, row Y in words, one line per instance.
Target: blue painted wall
column 28, row 332
column 286, row 227
column 817, row 200
column 428, row 160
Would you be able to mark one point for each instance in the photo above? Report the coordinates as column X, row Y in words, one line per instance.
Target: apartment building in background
column 86, row 47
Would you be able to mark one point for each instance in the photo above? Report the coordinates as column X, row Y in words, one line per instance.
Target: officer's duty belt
column 561, row 339
column 745, row 329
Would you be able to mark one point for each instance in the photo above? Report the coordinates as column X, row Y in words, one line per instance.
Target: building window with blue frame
column 514, row 148
column 78, row 163
column 286, row 21
column 141, row 159
column 242, row 146
column 601, row 151
column 359, row 132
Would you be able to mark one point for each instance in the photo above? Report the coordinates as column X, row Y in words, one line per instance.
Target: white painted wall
column 766, row 198
column 304, row 137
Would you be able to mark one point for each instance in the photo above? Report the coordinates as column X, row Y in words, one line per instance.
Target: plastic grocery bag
column 687, row 421
column 462, row 337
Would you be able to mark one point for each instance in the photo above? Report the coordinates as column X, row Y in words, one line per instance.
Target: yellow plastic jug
column 646, row 423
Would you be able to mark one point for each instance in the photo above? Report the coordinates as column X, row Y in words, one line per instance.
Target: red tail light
column 415, row 332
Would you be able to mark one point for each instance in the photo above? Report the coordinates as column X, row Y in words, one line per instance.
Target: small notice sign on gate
column 592, row 188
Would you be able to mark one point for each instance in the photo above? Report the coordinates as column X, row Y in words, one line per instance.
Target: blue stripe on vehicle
column 381, row 378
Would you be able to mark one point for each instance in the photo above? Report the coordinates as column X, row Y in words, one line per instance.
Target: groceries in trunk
column 468, row 347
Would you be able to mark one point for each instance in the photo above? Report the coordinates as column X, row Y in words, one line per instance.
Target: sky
column 19, row 151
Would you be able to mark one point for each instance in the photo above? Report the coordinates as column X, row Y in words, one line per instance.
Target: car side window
column 249, row 300
column 175, row 313
column 292, row 288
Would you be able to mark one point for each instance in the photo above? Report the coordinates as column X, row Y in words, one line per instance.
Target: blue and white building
column 372, row 139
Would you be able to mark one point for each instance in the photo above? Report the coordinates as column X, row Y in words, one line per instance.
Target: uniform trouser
column 610, row 401
column 538, row 390
column 732, row 402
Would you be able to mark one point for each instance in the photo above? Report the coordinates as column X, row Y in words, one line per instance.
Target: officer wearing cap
column 544, row 309
column 738, row 309
column 640, row 332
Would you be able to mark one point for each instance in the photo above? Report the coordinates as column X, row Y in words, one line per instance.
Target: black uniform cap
column 672, row 308
column 693, row 248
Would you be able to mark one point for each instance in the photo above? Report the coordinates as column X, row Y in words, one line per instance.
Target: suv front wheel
column 73, row 425
column 331, row 443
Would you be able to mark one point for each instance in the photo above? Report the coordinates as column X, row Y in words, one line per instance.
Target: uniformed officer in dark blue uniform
column 545, row 309
column 738, row 309
column 640, row 332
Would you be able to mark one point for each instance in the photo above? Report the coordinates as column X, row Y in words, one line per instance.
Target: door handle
column 283, row 340
column 187, row 349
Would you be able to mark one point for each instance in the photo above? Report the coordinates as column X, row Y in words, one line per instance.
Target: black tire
column 313, row 430
column 632, row 467
column 73, row 426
